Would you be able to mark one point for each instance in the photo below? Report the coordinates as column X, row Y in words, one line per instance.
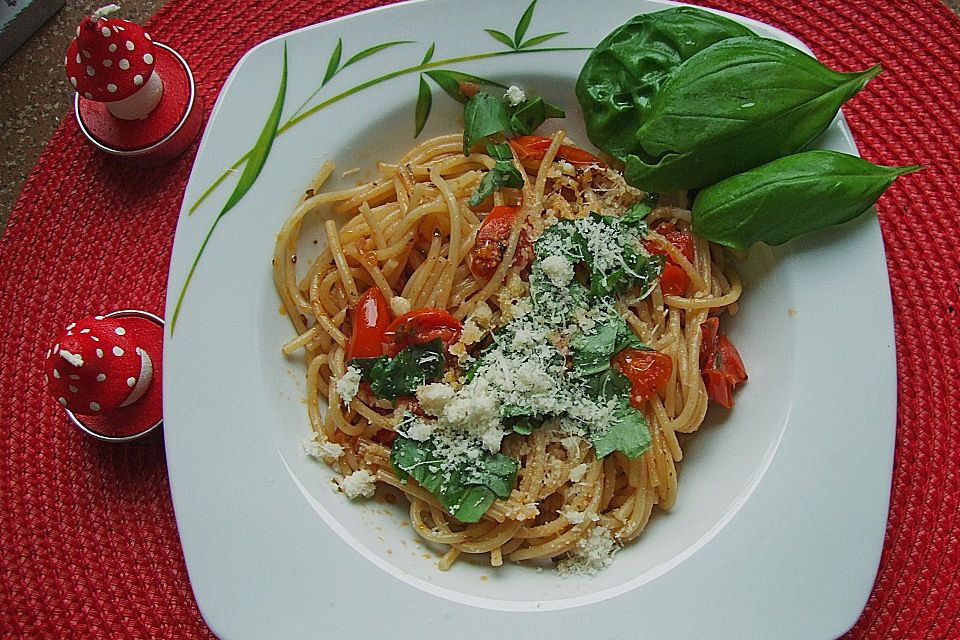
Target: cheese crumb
column 359, row 483
column 419, row 431
column 434, row 397
column 558, row 269
column 348, row 385
column 573, row 517
column 399, row 305
column 514, row 96
column 577, row 473
column 592, row 553
column 322, row 450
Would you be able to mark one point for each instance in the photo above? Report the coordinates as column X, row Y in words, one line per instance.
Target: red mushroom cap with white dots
column 95, row 367
column 110, row 59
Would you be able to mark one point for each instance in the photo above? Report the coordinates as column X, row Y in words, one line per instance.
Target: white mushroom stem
column 140, row 104
column 143, row 380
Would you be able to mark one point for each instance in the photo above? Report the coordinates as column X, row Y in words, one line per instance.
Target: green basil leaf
column 592, row 351
column 484, row 115
column 638, row 212
column 609, row 384
column 366, row 366
column 415, row 365
column 524, row 425
column 627, row 433
column 466, row 493
column 789, row 197
column 502, row 174
column 623, row 73
column 530, row 114
column 733, row 106
column 471, row 503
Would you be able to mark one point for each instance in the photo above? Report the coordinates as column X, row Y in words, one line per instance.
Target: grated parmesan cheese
column 322, row 450
column 359, row 483
column 514, row 96
column 558, row 269
column 592, row 553
column 434, row 397
column 348, row 385
column 577, row 473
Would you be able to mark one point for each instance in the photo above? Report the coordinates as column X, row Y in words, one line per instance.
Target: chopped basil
column 592, row 350
column 502, row 174
column 609, row 248
column 415, row 365
column 628, row 433
column 466, row 490
column 530, row 114
column 485, row 115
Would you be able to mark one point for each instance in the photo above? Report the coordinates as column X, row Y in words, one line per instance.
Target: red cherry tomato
column 492, row 240
column 371, row 316
column 720, row 363
column 530, row 151
column 421, row 326
column 674, row 279
column 648, row 372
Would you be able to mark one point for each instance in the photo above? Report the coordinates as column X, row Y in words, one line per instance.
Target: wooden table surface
column 35, row 96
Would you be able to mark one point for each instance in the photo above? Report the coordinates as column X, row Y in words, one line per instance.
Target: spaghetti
column 412, row 235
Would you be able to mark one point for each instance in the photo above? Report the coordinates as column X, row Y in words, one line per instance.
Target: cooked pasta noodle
column 410, row 233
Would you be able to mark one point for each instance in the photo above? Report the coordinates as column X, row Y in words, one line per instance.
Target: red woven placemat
column 88, row 543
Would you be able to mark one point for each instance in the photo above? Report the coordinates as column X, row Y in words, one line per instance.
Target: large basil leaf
column 789, row 197
column 624, row 72
column 466, row 493
column 628, row 433
column 734, row 106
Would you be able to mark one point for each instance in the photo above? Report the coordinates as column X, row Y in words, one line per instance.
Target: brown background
column 34, row 95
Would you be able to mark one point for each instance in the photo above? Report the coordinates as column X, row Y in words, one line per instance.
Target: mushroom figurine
column 113, row 61
column 135, row 97
column 100, row 369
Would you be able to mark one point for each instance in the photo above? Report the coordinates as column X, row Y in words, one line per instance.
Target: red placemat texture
column 88, row 542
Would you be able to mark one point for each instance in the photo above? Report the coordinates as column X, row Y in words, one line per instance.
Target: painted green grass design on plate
column 258, row 158
column 446, row 79
column 428, row 65
column 516, row 42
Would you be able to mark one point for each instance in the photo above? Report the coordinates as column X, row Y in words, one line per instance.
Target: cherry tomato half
column 371, row 316
column 674, row 279
column 492, row 240
column 720, row 363
column 648, row 372
column 421, row 326
column 530, row 151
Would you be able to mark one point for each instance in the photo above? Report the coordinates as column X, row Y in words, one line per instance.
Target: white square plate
column 779, row 523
